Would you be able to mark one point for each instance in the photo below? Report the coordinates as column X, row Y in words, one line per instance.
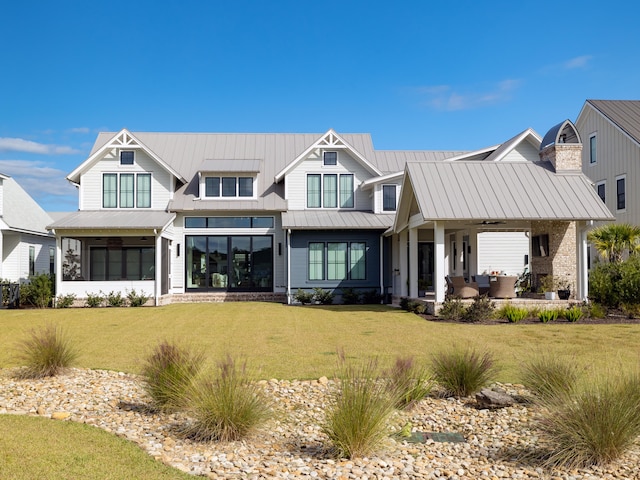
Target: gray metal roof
column 20, row 211
column 117, row 219
column 389, row 161
column 564, row 128
column 503, row 191
column 343, row 220
column 624, row 113
column 239, row 165
column 506, row 147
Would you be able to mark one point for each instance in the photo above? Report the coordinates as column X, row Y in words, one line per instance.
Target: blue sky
column 414, row 74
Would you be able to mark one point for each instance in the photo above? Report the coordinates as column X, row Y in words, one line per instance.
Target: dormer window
column 389, row 198
column 330, row 158
column 126, row 157
column 229, row 187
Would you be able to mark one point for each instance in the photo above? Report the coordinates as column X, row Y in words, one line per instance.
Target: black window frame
column 621, row 199
column 330, row 158
column 127, row 157
column 386, row 207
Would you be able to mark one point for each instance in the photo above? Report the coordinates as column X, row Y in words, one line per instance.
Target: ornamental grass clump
column 512, row 313
column 356, row 422
column 462, row 372
column 550, row 378
column 46, row 352
column 227, row 405
column 549, row 315
column 168, row 371
column 598, row 424
column 410, row 381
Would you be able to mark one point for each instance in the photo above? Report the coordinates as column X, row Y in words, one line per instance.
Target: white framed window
column 601, row 190
column 593, row 147
column 127, row 157
column 329, row 158
column 229, row 187
column 389, row 201
column 330, row 190
column 621, row 193
column 126, row 190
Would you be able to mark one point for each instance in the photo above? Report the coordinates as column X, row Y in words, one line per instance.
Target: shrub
column 46, row 352
column 595, row 310
column 137, row 300
column 322, row 296
column 356, row 423
column 549, row 315
column 115, row 299
column 167, row 372
column 417, row 307
column 513, row 314
column 452, row 309
column 409, row 381
column 480, row 310
column 350, row 296
column 372, row 296
column 95, row 299
column 598, row 425
column 404, row 303
column 461, row 372
column 303, row 297
column 65, row 301
column 573, row 314
column 631, row 310
column 550, row 378
column 226, row 406
column 38, row 292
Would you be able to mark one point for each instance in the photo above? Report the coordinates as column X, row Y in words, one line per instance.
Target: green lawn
column 278, row 341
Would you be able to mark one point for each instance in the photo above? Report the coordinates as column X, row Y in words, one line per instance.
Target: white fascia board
column 529, row 132
column 369, row 183
column 318, row 144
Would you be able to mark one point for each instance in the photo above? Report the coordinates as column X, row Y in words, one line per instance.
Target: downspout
column 289, row 266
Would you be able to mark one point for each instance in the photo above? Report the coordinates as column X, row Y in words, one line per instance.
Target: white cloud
column 79, row 130
column 11, row 144
column 577, row 62
column 37, row 178
column 445, row 97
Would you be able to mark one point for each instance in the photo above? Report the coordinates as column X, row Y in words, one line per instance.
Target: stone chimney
column 562, row 147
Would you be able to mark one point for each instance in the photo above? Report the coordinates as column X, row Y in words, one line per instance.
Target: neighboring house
column 185, row 216
column 27, row 247
column 610, row 132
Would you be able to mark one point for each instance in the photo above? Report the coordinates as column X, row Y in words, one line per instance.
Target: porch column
column 413, row 262
column 157, row 282
column 439, row 283
column 472, row 257
column 582, row 290
column 404, row 266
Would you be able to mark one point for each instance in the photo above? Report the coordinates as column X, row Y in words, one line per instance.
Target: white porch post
column 473, row 256
column 58, row 270
column 439, row 283
column 158, row 269
column 413, row 262
column 583, row 272
column 404, row 266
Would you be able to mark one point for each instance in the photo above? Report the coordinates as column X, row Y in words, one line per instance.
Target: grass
column 34, row 447
column 45, row 352
column 463, row 371
column 550, row 377
column 292, row 342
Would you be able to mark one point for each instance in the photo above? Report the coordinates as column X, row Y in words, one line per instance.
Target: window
column 600, row 189
column 322, row 190
column 126, row 190
column 340, row 261
column 143, row 199
column 540, row 245
column 316, row 261
column 620, row 193
column 126, row 157
column 313, row 191
column 346, row 191
column 389, row 198
column 330, row 158
column 228, row 187
column 32, row 260
column 52, row 260
column 228, row 222
column 122, row 263
column 592, row 149
column 109, row 190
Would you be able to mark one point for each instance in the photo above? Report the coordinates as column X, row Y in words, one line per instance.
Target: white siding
column 616, row 155
column 296, row 180
column 15, row 261
column 503, row 251
column 377, row 195
column 91, row 181
column 524, row 152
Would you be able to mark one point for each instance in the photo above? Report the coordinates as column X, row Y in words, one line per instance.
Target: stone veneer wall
column 561, row 261
column 563, row 156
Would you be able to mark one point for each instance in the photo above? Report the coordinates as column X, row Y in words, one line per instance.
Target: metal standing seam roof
column 117, row 220
column 20, row 211
column 343, row 220
column 503, row 191
column 624, row 113
column 239, row 165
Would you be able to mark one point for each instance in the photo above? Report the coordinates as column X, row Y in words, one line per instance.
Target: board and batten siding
column 178, row 264
column 502, row 251
column 296, row 180
column 91, row 181
column 616, row 155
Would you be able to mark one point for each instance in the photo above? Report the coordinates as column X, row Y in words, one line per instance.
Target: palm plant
column 614, row 239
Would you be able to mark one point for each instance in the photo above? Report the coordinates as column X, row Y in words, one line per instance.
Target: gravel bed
column 499, row 443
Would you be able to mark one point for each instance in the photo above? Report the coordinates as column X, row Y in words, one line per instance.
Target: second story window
column 330, row 190
column 126, row 190
column 592, row 149
column 230, row 187
column 600, row 188
column 621, row 202
column 126, row 157
column 330, row 158
column 389, row 198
